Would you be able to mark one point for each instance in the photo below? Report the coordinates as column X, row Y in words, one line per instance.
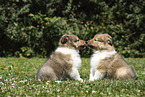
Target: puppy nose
column 136, row 78
column 86, row 42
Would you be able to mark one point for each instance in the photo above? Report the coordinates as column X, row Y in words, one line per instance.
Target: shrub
column 38, row 24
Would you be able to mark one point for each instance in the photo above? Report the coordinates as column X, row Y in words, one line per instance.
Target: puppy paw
column 81, row 80
column 58, row 81
column 91, row 79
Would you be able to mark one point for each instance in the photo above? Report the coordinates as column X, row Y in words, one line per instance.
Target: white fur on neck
column 76, row 60
column 98, row 55
column 95, row 59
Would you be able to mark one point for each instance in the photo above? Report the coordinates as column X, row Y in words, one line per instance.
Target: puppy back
column 59, row 63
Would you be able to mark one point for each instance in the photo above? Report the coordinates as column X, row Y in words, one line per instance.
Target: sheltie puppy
column 64, row 62
column 106, row 62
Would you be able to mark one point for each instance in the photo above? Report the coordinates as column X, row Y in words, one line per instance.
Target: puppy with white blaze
column 64, row 62
column 106, row 62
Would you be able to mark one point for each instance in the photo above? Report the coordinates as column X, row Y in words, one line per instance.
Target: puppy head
column 101, row 42
column 71, row 41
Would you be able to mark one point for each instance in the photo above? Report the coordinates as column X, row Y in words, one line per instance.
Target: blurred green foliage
column 33, row 27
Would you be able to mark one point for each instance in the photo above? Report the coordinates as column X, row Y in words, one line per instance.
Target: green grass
column 17, row 78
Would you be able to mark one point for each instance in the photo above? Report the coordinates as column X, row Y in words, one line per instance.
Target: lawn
column 17, row 78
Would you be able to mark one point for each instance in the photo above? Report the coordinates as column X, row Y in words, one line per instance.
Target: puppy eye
column 95, row 39
column 76, row 40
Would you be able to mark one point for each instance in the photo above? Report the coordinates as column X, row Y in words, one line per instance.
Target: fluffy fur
column 64, row 62
column 106, row 62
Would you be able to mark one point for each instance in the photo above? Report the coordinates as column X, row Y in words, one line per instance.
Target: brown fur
column 113, row 67
column 116, row 67
column 71, row 41
column 59, row 65
column 56, row 68
column 101, row 42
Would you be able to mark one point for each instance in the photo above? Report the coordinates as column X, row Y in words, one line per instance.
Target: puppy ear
column 110, row 42
column 63, row 40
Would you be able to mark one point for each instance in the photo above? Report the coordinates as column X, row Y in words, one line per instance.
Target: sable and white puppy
column 64, row 62
column 106, row 62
